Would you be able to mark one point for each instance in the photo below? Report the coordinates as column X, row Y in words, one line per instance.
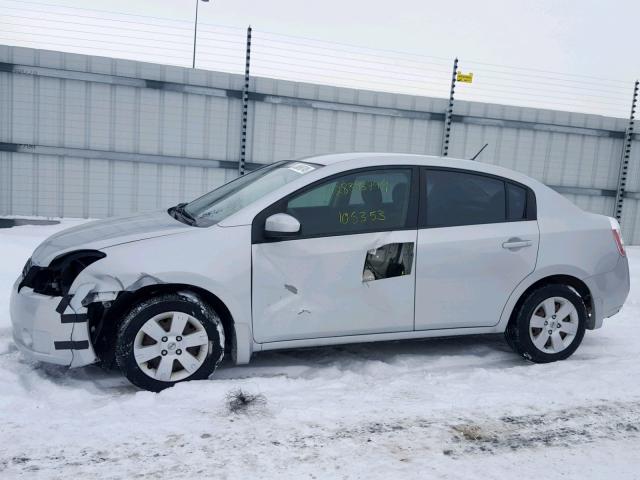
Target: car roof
column 332, row 158
column 363, row 159
column 378, row 158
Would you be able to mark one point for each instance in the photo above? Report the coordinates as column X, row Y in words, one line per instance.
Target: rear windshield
column 218, row 204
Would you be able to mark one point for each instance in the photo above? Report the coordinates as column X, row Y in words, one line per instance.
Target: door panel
column 318, row 287
column 464, row 274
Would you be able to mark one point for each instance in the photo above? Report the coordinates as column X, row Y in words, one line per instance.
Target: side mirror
column 281, row 225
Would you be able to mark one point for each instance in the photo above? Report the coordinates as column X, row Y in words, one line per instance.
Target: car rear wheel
column 169, row 339
column 549, row 324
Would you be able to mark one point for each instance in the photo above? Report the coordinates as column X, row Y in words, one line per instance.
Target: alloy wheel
column 553, row 325
column 171, row 346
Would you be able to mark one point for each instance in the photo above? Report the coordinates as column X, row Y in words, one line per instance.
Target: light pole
column 195, row 32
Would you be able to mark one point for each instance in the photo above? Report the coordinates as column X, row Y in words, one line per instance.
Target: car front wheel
column 549, row 324
column 169, row 339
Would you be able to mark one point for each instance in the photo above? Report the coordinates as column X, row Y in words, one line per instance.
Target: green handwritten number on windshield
column 361, row 217
column 345, row 188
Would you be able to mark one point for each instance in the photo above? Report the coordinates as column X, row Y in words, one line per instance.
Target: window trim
column 526, row 201
column 257, row 225
column 530, row 208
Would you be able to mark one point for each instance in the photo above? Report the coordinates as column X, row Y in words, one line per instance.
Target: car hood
column 107, row 233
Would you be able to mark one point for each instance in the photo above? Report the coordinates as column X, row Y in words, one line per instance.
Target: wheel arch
column 104, row 319
column 575, row 283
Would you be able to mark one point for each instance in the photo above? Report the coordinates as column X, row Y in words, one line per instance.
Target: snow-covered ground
column 444, row 408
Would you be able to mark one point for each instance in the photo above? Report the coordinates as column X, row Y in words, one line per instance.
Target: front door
column 478, row 240
column 351, row 268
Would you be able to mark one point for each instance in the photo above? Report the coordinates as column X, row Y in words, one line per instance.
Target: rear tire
column 549, row 325
column 169, row 339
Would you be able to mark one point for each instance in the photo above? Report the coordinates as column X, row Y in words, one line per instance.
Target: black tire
column 517, row 332
column 149, row 308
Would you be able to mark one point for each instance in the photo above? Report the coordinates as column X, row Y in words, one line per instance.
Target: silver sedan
column 327, row 250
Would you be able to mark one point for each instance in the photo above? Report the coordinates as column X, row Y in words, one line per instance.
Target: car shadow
column 486, row 351
column 433, row 355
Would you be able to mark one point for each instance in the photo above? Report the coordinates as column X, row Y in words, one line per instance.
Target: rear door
column 477, row 239
column 350, row 270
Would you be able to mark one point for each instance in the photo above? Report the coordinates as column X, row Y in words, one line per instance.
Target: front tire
column 169, row 339
column 549, row 324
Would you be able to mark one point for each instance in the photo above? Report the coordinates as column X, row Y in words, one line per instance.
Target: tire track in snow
column 564, row 427
column 404, row 439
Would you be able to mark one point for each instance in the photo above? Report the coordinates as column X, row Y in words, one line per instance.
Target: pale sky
column 564, row 54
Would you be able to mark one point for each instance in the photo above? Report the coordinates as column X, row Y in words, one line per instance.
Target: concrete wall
column 85, row 136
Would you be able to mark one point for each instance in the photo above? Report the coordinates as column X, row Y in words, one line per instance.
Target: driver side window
column 360, row 202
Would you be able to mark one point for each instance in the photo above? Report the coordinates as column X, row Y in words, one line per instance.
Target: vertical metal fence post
column 245, row 105
column 448, row 114
column 626, row 155
column 195, row 35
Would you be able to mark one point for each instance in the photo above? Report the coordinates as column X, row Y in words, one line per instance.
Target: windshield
column 228, row 199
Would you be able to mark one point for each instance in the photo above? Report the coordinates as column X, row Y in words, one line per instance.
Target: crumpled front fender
column 225, row 273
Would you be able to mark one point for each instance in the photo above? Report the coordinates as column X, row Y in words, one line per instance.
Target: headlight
column 56, row 279
column 26, row 268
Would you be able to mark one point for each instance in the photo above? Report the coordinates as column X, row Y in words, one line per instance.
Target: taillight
column 617, row 236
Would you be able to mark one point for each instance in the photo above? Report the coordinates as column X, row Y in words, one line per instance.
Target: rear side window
column 458, row 198
column 360, row 202
column 516, row 203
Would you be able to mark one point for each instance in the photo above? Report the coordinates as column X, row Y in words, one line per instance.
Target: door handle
column 513, row 243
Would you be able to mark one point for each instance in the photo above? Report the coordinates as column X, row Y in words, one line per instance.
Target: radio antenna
column 480, row 151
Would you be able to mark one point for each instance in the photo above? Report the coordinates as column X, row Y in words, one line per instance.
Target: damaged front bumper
column 52, row 329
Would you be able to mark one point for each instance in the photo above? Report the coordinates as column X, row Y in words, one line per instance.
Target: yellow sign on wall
column 465, row 77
